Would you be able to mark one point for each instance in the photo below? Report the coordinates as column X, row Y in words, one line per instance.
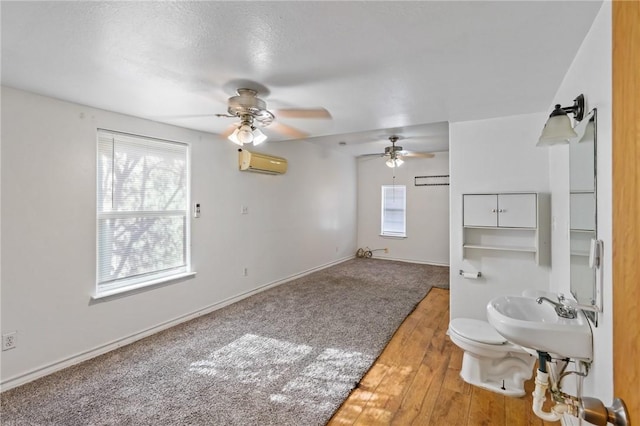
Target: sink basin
column 523, row 321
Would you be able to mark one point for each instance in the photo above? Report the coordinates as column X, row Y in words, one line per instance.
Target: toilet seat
column 476, row 330
column 481, row 338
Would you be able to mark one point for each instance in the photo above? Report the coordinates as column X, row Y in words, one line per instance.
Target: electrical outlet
column 9, row 340
column 245, row 271
column 244, row 209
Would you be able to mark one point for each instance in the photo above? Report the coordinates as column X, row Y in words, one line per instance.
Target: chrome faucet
column 562, row 309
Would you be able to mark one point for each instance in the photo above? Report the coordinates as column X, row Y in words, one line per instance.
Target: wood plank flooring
column 416, row 381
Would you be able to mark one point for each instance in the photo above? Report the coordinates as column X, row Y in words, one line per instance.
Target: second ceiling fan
column 396, row 155
column 253, row 114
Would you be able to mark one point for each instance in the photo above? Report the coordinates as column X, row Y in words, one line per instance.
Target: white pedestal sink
column 525, row 322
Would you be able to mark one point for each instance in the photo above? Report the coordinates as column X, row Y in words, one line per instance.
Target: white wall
column 299, row 221
column 589, row 74
column 496, row 155
column 427, row 238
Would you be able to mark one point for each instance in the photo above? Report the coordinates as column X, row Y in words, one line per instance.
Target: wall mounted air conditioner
column 261, row 163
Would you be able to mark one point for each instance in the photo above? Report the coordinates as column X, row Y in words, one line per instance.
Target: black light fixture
column 558, row 129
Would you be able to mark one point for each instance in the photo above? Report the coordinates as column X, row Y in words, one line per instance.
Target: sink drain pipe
column 590, row 409
column 542, row 384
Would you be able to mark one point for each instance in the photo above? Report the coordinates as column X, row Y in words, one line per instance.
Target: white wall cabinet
column 506, row 222
column 500, row 210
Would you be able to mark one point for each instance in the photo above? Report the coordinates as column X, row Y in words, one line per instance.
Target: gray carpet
column 287, row 356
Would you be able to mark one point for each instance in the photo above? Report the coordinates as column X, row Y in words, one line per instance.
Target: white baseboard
column 34, row 374
column 422, row 262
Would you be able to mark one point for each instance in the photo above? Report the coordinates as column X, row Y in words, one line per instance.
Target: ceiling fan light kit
column 394, row 159
column 258, row 137
column 395, row 162
column 246, row 133
column 253, row 112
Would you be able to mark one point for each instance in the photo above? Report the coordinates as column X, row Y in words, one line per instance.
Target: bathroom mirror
column 582, row 211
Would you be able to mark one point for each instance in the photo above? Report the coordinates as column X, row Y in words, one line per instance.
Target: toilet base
column 501, row 375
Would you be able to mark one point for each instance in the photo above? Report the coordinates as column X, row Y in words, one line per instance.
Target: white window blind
column 393, row 210
column 142, row 206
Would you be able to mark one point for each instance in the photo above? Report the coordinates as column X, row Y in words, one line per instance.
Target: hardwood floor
column 416, row 381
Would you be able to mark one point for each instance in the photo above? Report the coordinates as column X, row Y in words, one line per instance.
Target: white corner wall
column 495, row 155
column 589, row 74
column 297, row 222
column 427, row 238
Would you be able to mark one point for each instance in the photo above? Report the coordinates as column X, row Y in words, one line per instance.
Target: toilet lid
column 480, row 331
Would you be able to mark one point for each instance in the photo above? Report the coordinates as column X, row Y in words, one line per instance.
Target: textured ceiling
column 378, row 67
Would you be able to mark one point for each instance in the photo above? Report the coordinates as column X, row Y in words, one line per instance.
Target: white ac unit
column 261, row 163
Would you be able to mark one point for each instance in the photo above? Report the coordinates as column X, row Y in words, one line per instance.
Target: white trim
column 422, row 262
column 45, row 370
column 133, row 287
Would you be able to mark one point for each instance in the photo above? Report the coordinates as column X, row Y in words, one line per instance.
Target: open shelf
column 529, row 249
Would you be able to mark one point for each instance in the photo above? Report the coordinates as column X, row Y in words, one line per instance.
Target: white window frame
column 385, row 229
column 106, row 288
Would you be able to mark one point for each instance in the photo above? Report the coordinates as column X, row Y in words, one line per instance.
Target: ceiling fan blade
column 288, row 130
column 303, row 113
column 228, row 131
column 418, row 154
column 180, row 117
column 371, row 155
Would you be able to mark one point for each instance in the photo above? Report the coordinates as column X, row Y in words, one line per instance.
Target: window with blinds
column 142, row 211
column 394, row 211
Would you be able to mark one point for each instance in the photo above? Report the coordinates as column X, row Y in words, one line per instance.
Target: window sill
column 394, row 237
column 143, row 285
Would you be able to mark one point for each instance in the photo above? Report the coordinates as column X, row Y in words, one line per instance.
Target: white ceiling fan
column 396, row 155
column 253, row 114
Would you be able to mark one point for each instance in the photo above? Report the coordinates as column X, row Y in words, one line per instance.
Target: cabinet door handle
column 502, row 210
column 493, row 210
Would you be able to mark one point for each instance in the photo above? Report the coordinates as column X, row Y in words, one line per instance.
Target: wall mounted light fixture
column 558, row 129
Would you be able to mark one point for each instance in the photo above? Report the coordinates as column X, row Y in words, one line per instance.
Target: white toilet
column 489, row 360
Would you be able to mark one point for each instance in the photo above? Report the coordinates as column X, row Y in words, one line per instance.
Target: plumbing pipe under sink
column 542, row 384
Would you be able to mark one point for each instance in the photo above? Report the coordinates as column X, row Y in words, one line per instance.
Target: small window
column 142, row 208
column 394, row 210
